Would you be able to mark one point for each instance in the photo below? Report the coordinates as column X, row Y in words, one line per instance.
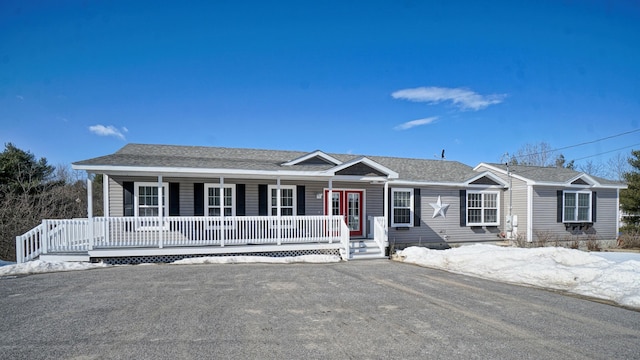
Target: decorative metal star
column 439, row 208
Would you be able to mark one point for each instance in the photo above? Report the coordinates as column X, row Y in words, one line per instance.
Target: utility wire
column 606, row 152
column 581, row 144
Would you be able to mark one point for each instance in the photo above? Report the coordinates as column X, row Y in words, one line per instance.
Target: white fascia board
column 569, row 185
column 426, row 183
column 585, row 177
column 311, row 155
column 489, row 175
column 359, row 178
column 504, row 172
column 179, row 171
column 390, row 173
column 482, row 186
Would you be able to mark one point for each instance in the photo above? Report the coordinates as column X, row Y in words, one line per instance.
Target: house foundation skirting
column 154, row 259
column 138, row 255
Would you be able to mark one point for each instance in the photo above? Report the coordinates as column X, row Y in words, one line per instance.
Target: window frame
column 136, row 196
column 410, row 207
column 206, row 205
column 577, row 207
column 271, row 207
column 483, row 207
column 152, row 224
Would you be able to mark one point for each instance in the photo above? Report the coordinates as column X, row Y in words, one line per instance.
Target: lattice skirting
column 132, row 260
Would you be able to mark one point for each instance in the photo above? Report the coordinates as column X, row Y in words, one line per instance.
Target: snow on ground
column 5, row 263
column 609, row 276
column 39, row 266
column 259, row 259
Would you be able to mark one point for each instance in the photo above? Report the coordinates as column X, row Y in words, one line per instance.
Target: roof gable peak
column 317, row 155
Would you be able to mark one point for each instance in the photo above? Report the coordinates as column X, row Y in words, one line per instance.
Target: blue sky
column 80, row 79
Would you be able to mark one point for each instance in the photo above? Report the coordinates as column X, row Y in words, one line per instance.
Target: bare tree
column 538, row 154
column 617, row 166
column 592, row 168
column 31, row 190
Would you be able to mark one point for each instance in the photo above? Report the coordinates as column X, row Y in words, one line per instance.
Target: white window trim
column 411, row 208
column 136, row 204
column 217, row 186
column 564, row 219
column 136, row 195
column 483, row 223
column 271, row 206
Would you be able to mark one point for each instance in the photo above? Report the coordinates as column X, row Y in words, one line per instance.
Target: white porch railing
column 380, row 234
column 67, row 236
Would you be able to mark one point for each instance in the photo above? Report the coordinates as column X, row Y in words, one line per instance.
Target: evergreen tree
column 21, row 172
column 630, row 197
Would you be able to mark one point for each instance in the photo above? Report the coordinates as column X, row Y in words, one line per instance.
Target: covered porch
column 108, row 237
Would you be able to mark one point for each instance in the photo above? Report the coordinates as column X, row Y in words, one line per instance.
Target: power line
column 581, row 144
column 606, row 152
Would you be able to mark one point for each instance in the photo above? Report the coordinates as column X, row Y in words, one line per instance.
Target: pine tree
column 630, row 197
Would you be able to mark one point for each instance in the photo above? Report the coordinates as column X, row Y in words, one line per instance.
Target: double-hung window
column 146, row 199
column 483, row 208
column 401, row 207
column 147, row 205
column 287, row 200
column 213, row 199
column 576, row 206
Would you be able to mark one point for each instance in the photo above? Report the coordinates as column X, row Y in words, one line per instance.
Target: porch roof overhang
column 198, row 172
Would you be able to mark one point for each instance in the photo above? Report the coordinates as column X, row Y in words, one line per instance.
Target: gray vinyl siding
column 116, row 199
column 519, row 204
column 545, row 218
column 448, row 229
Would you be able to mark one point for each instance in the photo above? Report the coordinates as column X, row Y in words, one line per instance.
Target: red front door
column 347, row 203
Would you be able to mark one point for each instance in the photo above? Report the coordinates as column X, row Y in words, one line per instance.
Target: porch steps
column 361, row 249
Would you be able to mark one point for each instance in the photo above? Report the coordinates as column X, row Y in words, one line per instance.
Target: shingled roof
column 142, row 156
column 548, row 174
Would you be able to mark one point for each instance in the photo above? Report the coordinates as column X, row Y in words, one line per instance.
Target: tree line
column 32, row 190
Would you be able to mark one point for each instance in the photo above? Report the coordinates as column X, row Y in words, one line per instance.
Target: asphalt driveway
column 361, row 309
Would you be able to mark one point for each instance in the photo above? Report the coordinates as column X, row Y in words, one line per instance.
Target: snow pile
column 259, row 259
column 39, row 266
column 556, row 268
column 5, row 263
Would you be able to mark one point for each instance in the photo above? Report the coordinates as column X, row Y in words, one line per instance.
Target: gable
column 579, row 181
column 360, row 169
column 485, row 180
column 316, row 160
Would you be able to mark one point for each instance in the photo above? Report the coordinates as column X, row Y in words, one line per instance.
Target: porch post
column 278, row 213
column 221, row 211
column 90, row 211
column 160, row 211
column 386, row 203
column 330, row 210
column 617, row 213
column 105, row 207
column 105, row 195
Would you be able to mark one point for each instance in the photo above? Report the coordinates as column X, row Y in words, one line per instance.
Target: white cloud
column 465, row 99
column 107, row 131
column 414, row 123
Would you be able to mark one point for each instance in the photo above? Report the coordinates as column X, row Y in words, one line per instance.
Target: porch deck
column 115, row 237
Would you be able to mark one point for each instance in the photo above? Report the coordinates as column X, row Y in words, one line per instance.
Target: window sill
column 401, row 228
column 586, row 225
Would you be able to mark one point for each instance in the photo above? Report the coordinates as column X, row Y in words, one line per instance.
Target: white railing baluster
column 81, row 235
